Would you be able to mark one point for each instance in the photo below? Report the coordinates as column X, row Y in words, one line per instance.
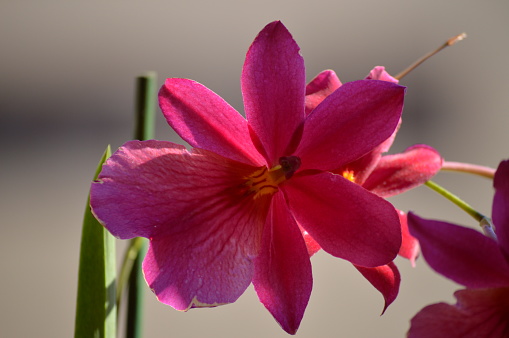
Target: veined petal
column 346, row 220
column 204, row 120
column 464, row 255
column 209, row 263
column 320, row 87
column 409, row 244
column 282, row 278
column 398, row 173
column 361, row 168
column 273, row 86
column 384, row 278
column 349, row 123
column 478, row 313
column 148, row 188
column 500, row 212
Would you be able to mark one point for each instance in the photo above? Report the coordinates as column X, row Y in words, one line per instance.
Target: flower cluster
column 255, row 197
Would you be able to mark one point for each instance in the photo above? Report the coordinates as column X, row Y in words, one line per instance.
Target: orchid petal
column 464, row 255
column 273, row 86
column 204, row 229
column 204, row 120
column 282, row 278
column 384, row 278
column 148, row 188
column 379, row 73
column 478, row 313
column 320, row 87
column 312, row 245
column 500, row 213
column 409, row 244
column 200, row 267
column 398, row 173
column 361, row 168
column 349, row 123
column 346, row 220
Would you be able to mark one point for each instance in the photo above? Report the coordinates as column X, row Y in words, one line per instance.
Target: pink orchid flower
column 229, row 212
column 471, row 259
column 385, row 176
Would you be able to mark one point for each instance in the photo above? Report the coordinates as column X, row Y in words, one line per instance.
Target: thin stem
column 446, row 44
column 131, row 274
column 456, row 200
column 145, row 106
column 130, row 255
column 469, row 168
column 134, row 324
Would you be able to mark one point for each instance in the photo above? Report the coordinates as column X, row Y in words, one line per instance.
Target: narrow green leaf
column 96, row 313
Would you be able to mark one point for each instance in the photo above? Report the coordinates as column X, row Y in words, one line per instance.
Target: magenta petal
column 464, row 255
column 409, row 244
column 350, row 122
column 282, row 278
column 312, row 246
column 397, row 173
column 148, row 188
column 500, row 212
column 478, row 313
column 273, row 86
column 204, row 120
column 205, row 266
column 364, row 166
column 320, row 87
column 346, row 220
column 384, row 278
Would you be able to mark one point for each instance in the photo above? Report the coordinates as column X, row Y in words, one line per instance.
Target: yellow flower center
column 266, row 181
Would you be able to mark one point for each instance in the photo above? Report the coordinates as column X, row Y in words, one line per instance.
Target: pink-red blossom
column 385, row 176
column 474, row 260
column 232, row 210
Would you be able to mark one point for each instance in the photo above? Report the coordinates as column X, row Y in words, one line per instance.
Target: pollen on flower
column 349, row 175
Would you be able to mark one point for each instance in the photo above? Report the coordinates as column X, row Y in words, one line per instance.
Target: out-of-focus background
column 67, row 74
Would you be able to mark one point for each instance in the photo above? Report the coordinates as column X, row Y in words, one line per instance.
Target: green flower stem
column 131, row 274
column 128, row 261
column 456, row 200
column 145, row 106
column 469, row 168
column 134, row 325
column 485, row 222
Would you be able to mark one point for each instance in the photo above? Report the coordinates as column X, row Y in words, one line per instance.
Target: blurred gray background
column 67, row 72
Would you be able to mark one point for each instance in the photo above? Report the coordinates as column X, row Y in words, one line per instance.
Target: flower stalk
column 456, row 200
column 131, row 268
column 469, row 168
column 417, row 63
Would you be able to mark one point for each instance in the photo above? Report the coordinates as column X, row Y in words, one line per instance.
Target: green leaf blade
column 96, row 313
